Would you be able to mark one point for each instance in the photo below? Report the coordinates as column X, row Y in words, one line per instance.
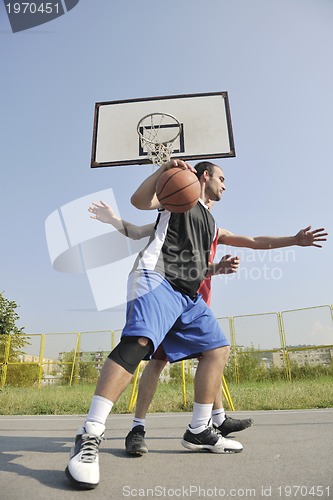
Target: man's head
column 211, row 178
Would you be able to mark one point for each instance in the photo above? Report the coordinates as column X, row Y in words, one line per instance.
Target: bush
column 88, row 373
column 176, row 374
column 310, row 372
column 22, row 375
column 251, row 369
column 249, row 366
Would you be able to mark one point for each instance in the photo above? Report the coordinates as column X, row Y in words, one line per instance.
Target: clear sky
column 274, row 57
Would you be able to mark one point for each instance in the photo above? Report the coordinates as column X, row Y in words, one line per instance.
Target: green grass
column 61, row 400
column 280, row 395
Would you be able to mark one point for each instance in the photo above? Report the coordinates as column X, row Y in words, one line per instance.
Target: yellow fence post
column 76, row 355
column 234, row 348
column 183, row 382
column 286, row 360
column 135, row 390
column 226, row 394
column 41, row 359
column 5, row 361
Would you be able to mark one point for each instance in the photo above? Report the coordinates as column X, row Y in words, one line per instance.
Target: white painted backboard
column 206, row 130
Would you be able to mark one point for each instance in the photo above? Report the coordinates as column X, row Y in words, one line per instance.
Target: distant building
column 48, row 364
column 50, row 368
column 305, row 356
column 267, row 362
column 95, row 357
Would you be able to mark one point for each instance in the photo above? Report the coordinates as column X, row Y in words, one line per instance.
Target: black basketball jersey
column 179, row 247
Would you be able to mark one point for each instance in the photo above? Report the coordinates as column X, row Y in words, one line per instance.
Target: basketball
column 178, row 190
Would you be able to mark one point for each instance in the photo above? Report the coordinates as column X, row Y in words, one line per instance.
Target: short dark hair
column 202, row 166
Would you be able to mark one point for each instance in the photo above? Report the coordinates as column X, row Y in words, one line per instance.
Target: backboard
column 206, row 130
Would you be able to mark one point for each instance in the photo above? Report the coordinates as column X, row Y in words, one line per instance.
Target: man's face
column 215, row 184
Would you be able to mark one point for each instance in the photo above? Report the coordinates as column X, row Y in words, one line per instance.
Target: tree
column 249, row 366
column 83, row 371
column 8, row 329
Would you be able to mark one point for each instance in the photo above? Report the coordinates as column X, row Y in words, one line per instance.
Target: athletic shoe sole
column 207, row 447
column 136, row 453
column 79, row 484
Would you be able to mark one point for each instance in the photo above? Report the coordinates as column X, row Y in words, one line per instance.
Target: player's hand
column 306, row 238
column 178, row 163
column 228, row 265
column 101, row 211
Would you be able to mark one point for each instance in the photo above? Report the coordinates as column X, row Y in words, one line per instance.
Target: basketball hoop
column 158, row 132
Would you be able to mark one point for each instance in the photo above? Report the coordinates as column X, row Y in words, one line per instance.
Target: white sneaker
column 211, row 440
column 83, row 466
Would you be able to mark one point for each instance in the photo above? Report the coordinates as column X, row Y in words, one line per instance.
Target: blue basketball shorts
column 186, row 327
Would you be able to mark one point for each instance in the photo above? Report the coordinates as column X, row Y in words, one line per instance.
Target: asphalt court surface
column 287, row 454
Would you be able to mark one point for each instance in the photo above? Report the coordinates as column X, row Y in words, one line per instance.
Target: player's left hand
column 228, row 264
column 305, row 237
column 178, row 163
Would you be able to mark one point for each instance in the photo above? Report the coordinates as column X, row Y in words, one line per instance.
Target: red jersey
column 206, row 286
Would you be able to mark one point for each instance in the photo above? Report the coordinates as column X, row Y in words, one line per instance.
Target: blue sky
column 275, row 60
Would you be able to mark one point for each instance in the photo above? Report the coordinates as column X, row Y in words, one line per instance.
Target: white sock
column 201, row 415
column 218, row 416
column 138, row 421
column 99, row 410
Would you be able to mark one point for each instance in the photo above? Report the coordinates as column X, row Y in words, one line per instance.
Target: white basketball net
column 157, row 132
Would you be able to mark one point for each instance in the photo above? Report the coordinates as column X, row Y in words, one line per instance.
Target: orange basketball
column 178, row 190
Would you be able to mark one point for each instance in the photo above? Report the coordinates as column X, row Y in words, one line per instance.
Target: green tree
column 8, row 329
column 67, row 367
column 83, row 372
column 176, row 374
column 88, row 373
column 249, row 364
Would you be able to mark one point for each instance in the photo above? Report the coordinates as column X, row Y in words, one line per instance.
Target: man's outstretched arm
column 104, row 213
column 304, row 238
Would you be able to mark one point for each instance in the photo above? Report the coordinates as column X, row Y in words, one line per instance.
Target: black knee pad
column 129, row 353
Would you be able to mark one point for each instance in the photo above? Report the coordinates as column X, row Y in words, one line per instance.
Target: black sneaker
column 135, row 441
column 233, row 425
column 211, row 440
column 83, row 466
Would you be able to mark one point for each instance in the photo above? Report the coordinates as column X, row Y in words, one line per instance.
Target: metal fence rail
column 283, row 335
